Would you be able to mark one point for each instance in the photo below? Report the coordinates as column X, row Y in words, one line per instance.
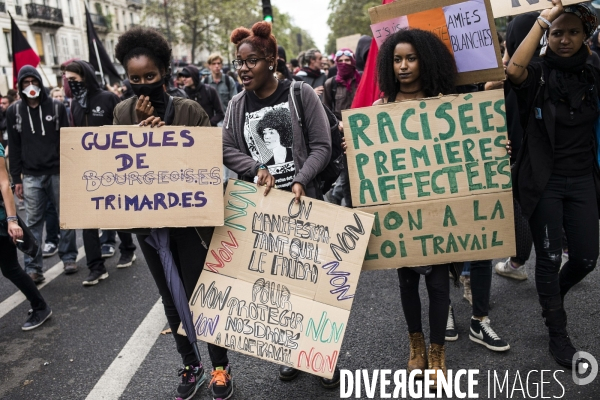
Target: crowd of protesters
column 552, row 108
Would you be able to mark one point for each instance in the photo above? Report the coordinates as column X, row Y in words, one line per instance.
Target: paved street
column 104, row 342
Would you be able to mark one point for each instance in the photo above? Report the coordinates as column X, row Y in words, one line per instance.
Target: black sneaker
column 333, row 382
column 36, row 318
column 94, row 277
column 49, row 250
column 192, row 377
column 451, row 334
column 108, row 250
column 221, row 383
column 126, row 260
column 482, row 333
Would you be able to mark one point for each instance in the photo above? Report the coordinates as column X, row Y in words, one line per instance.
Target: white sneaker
column 564, row 259
column 506, row 269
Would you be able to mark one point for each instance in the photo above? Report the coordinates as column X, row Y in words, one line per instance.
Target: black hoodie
column 34, row 141
column 100, row 103
column 206, row 96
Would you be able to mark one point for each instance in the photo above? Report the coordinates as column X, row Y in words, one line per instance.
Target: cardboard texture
column 118, row 177
column 428, row 155
column 503, row 8
column 349, row 42
column 279, row 279
column 436, row 148
column 435, row 232
column 470, row 36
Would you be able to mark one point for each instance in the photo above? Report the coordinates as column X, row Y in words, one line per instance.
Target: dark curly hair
column 260, row 38
column 279, row 120
column 436, row 63
column 147, row 42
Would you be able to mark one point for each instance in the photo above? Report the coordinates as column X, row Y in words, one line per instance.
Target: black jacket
column 206, row 96
column 34, row 141
column 100, row 103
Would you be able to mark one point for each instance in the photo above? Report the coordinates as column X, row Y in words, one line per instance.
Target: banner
column 433, row 172
column 279, row 279
column 119, row 177
column 503, row 8
column 466, row 27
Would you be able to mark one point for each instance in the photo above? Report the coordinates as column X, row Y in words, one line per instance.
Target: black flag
column 97, row 54
column 23, row 54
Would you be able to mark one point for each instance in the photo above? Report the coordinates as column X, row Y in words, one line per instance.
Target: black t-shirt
column 573, row 140
column 573, row 137
column 268, row 133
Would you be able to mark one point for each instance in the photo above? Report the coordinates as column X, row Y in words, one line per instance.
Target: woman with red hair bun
column 263, row 137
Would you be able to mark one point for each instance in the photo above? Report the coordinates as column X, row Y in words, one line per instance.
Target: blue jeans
column 52, row 225
column 37, row 190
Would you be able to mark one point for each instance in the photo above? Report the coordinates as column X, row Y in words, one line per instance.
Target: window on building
column 112, row 53
column 76, row 52
column 117, row 24
column 64, row 49
column 124, row 21
column 39, row 42
column 131, row 19
column 53, row 49
column 8, row 43
column 70, row 11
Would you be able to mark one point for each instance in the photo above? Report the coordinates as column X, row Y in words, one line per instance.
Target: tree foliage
column 207, row 24
column 348, row 17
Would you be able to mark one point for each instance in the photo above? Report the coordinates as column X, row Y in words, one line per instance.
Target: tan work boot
column 417, row 353
column 437, row 362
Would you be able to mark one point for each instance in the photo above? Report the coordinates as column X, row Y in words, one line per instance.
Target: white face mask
column 31, row 91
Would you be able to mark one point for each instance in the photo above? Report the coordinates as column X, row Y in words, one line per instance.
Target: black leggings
column 569, row 202
column 438, row 288
column 189, row 255
column 9, row 264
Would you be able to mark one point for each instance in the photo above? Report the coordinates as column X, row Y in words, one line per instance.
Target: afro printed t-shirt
column 269, row 136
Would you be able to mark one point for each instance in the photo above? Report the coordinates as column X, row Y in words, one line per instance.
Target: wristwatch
column 261, row 167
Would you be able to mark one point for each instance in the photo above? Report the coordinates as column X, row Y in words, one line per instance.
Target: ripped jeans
column 569, row 202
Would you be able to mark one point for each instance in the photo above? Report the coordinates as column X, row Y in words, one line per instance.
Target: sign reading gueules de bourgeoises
column 140, row 177
column 280, row 278
column 436, row 175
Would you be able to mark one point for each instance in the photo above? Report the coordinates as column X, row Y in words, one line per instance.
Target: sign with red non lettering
column 279, row 279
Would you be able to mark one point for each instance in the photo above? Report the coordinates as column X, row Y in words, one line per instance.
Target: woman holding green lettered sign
column 557, row 180
column 415, row 64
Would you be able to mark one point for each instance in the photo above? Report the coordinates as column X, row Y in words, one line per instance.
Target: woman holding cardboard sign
column 414, row 64
column 146, row 68
column 557, row 180
column 263, row 137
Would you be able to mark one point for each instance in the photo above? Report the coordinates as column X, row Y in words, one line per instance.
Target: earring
column 271, row 68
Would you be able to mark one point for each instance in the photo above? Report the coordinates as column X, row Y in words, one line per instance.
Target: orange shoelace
column 219, row 377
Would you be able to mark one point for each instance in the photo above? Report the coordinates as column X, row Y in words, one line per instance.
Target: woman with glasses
column 267, row 107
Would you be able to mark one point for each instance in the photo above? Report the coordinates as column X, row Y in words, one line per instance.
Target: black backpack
column 330, row 174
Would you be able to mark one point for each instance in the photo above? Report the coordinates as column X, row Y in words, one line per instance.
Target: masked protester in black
column 92, row 106
column 205, row 95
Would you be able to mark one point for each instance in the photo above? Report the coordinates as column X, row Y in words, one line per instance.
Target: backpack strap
column 18, row 119
column 296, row 95
column 332, row 92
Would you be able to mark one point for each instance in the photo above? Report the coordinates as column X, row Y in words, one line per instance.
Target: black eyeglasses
column 250, row 62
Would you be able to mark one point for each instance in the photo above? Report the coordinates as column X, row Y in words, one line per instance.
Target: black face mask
column 153, row 90
column 79, row 92
column 157, row 95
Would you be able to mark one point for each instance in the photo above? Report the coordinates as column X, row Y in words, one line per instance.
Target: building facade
column 56, row 30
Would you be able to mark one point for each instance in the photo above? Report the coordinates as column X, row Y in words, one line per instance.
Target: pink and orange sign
column 464, row 27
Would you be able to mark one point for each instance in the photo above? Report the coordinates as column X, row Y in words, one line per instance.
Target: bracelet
column 544, row 20
column 12, row 218
column 544, row 29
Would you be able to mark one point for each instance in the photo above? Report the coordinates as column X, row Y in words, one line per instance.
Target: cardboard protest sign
column 119, row 177
column 348, row 42
column 465, row 26
column 409, row 161
column 503, row 8
column 279, row 279
column 434, row 232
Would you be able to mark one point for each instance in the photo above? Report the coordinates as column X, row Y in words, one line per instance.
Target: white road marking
column 116, row 378
column 14, row 300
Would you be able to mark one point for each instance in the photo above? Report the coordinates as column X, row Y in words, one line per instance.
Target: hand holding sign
column 552, row 13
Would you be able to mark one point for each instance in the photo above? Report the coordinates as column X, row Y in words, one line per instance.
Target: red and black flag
column 23, row 54
column 98, row 56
